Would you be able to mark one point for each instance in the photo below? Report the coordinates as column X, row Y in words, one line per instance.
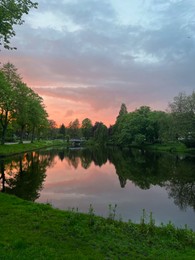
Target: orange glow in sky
column 87, row 57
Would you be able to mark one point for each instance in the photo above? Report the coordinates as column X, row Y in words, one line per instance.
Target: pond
column 133, row 180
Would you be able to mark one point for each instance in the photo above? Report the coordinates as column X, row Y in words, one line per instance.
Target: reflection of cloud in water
column 58, row 195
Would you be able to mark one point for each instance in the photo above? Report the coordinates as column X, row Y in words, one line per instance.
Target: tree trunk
column 33, row 135
column 22, row 134
column 4, row 128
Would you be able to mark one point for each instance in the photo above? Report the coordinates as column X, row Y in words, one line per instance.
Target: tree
column 87, row 128
column 22, row 108
column 116, row 127
column 139, row 126
column 183, row 115
column 62, row 131
column 123, row 111
column 100, row 132
column 11, row 74
column 4, row 106
column 19, row 104
column 9, row 80
column 74, row 130
column 52, row 129
column 37, row 115
column 11, row 12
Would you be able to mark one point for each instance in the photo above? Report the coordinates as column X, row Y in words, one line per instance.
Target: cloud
column 69, row 113
column 81, row 51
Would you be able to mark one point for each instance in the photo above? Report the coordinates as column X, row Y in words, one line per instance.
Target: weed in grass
column 112, row 212
column 49, row 203
column 145, row 225
column 143, row 219
column 91, row 214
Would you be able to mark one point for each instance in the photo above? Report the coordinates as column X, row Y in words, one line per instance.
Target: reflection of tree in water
column 61, row 154
column 182, row 193
column 24, row 176
column 73, row 158
column 144, row 169
column 100, row 156
column 2, row 176
column 181, row 186
column 86, row 158
column 83, row 156
column 141, row 167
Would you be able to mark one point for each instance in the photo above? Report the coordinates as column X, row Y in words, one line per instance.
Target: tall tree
column 11, row 12
column 183, row 114
column 74, row 130
column 9, row 80
column 100, row 133
column 52, row 129
column 123, row 111
column 22, row 108
column 5, row 106
column 87, row 128
column 62, row 131
column 19, row 104
column 37, row 115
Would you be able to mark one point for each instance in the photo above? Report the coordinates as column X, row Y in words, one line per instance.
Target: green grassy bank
column 12, row 149
column 37, row 231
column 173, row 147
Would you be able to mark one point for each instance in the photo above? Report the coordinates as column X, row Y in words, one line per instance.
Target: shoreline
column 37, row 231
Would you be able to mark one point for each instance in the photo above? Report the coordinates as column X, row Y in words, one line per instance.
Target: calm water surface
column 163, row 184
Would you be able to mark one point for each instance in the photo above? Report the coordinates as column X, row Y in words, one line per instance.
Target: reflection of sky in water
column 66, row 187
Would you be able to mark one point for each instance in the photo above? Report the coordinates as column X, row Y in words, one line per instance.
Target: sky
column 87, row 57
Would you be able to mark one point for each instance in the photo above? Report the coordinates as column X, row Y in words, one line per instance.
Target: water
column 163, row 184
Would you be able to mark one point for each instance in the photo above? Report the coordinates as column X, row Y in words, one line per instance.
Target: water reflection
column 24, row 175
column 59, row 175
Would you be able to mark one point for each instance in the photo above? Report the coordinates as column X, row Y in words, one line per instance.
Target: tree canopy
column 11, row 12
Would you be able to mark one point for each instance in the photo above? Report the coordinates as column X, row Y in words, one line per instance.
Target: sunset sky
column 86, row 57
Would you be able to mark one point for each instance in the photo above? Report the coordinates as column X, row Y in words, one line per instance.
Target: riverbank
column 37, row 231
column 173, row 147
column 12, row 149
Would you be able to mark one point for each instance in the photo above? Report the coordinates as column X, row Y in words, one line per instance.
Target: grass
column 174, row 147
column 37, row 231
column 12, row 149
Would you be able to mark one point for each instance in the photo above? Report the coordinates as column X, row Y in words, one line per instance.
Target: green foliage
column 62, row 131
column 183, row 116
column 11, row 12
column 100, row 133
column 144, row 126
column 73, row 129
column 20, row 106
column 87, row 128
column 137, row 127
column 123, row 111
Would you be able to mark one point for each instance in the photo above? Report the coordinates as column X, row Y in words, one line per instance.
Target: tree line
column 142, row 126
column 23, row 115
